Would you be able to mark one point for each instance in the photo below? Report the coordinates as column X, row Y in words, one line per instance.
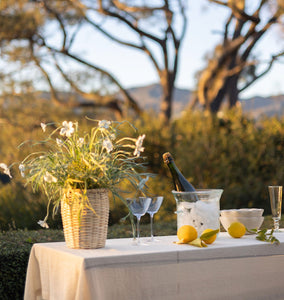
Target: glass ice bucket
column 200, row 209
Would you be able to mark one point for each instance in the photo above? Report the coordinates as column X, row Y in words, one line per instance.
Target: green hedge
column 13, row 266
column 15, row 249
column 15, row 246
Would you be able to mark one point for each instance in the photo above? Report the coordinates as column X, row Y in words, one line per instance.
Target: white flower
column 22, row 169
column 6, row 169
column 107, row 144
column 80, row 142
column 139, row 147
column 142, row 183
column 220, row 114
column 67, row 129
column 43, row 126
column 49, row 178
column 59, row 142
column 112, row 136
column 43, row 224
column 104, row 124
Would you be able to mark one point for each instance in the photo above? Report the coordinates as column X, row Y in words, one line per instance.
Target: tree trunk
column 218, row 100
column 230, row 90
column 233, row 91
column 167, row 85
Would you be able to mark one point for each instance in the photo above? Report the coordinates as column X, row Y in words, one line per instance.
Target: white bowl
column 242, row 212
column 249, row 222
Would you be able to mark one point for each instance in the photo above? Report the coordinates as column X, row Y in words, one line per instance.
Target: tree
column 166, row 15
column 28, row 26
column 233, row 67
column 28, row 45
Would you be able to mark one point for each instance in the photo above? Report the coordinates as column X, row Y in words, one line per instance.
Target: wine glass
column 138, row 207
column 154, row 206
column 275, row 195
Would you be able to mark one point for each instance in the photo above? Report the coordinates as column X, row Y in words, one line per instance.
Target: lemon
column 237, row 230
column 186, row 233
column 211, row 239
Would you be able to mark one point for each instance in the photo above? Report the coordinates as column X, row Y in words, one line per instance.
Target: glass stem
column 276, row 224
column 151, row 221
column 138, row 230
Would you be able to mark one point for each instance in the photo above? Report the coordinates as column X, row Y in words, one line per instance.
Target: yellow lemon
column 211, row 239
column 237, row 230
column 186, row 233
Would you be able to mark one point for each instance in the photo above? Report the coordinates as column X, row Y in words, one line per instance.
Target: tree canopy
column 233, row 66
column 42, row 34
column 40, row 49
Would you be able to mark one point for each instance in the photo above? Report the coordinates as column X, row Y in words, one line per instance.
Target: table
column 229, row 269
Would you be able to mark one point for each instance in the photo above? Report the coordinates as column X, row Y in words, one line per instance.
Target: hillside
column 148, row 98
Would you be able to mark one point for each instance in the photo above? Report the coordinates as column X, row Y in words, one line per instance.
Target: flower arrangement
column 101, row 158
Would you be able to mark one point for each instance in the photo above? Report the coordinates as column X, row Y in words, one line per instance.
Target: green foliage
column 15, row 246
column 265, row 235
column 15, row 249
column 69, row 160
column 13, row 267
column 232, row 152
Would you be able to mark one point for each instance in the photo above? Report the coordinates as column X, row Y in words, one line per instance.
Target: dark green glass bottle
column 180, row 182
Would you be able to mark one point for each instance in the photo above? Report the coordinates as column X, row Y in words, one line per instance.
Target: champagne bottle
column 180, row 182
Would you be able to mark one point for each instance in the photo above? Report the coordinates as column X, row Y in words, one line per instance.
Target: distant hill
column 147, row 97
column 256, row 106
column 269, row 106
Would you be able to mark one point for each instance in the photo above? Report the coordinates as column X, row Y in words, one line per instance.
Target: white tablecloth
column 228, row 269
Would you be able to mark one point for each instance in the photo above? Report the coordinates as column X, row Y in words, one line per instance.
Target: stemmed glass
column 155, row 205
column 138, row 207
column 275, row 195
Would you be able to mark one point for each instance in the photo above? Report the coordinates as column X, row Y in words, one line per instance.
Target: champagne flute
column 275, row 194
column 155, row 205
column 138, row 207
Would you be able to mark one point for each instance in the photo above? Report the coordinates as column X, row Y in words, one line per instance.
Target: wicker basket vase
column 91, row 231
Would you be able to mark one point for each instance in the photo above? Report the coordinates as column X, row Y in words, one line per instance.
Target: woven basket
column 90, row 231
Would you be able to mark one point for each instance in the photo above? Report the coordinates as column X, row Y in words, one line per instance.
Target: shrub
column 233, row 152
column 15, row 249
column 15, row 246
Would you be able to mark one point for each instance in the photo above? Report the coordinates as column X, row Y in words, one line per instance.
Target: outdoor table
column 229, row 269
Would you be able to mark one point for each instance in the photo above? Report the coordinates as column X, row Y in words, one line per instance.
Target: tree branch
column 129, row 24
column 112, row 37
column 239, row 13
column 74, row 36
column 60, row 21
column 219, row 2
column 134, row 9
column 256, row 77
column 227, row 29
column 127, row 96
column 54, row 95
column 184, row 18
column 257, row 36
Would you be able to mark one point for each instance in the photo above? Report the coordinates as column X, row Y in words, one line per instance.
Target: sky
column 133, row 68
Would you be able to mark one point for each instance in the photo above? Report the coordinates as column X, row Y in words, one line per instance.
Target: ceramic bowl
column 242, row 212
column 249, row 222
